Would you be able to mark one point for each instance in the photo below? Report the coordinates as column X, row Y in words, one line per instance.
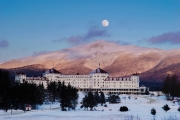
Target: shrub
column 123, row 109
column 153, row 111
column 81, row 106
column 114, row 99
column 166, row 107
column 178, row 109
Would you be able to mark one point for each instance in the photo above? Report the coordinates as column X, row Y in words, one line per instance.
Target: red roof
column 135, row 74
column 99, row 70
column 52, row 70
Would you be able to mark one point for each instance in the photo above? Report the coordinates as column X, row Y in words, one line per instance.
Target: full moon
column 105, row 23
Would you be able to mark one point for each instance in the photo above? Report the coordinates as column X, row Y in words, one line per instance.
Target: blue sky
column 32, row 27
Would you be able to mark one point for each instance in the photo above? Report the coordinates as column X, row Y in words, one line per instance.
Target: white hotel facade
column 96, row 80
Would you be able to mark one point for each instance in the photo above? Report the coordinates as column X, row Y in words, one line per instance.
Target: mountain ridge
column 118, row 60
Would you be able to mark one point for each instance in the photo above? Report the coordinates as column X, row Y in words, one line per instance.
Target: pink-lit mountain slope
column 153, row 64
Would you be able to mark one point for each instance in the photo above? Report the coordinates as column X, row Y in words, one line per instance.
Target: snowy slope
column 139, row 109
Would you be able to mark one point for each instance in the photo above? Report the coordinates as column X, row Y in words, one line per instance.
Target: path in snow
column 14, row 112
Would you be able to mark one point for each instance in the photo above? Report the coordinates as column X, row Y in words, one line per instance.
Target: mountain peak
column 117, row 60
column 101, row 42
column 97, row 44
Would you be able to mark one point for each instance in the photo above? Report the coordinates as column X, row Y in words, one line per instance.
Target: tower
column 135, row 79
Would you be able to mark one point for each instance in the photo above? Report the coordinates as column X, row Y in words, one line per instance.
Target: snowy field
column 139, row 109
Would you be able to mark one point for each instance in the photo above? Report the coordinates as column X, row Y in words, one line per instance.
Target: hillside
column 152, row 64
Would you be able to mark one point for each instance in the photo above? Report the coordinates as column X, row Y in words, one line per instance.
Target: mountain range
column 118, row 60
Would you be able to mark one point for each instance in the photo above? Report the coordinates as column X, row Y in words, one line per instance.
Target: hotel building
column 96, row 80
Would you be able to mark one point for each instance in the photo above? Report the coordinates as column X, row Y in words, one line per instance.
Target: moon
column 105, row 23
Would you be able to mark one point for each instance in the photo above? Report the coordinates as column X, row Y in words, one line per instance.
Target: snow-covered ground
column 139, row 109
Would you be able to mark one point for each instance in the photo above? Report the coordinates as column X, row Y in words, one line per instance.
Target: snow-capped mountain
column 118, row 60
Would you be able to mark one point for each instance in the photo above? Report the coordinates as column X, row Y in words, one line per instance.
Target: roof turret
column 52, row 70
column 98, row 70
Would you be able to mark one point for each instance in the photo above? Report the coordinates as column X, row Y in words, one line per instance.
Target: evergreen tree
column 102, row 98
column 74, row 99
column 26, row 93
column 178, row 109
column 110, row 93
column 52, row 89
column 153, row 111
column 59, row 86
column 178, row 89
column 123, row 109
column 147, row 92
column 166, row 107
column 69, row 96
column 40, row 94
column 166, row 87
column 173, row 86
column 5, row 84
column 6, row 102
column 14, row 95
column 63, row 99
column 85, row 102
column 97, row 97
column 114, row 99
column 89, row 101
column 170, row 86
column 18, row 95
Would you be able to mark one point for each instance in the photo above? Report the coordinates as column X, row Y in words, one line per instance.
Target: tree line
column 171, row 86
column 14, row 95
column 66, row 95
column 91, row 100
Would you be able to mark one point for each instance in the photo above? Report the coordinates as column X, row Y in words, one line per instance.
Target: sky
column 34, row 27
